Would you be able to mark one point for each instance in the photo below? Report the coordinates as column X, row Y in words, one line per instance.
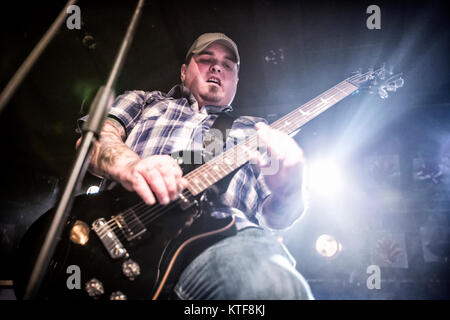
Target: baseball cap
column 206, row 39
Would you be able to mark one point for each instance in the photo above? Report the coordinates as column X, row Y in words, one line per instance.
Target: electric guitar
column 122, row 248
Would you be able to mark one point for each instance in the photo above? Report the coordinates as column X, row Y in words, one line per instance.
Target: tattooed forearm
column 111, row 153
column 113, row 156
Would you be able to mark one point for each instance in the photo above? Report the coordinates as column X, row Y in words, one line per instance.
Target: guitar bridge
column 109, row 239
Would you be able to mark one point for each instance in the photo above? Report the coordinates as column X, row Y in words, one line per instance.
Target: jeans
column 251, row 265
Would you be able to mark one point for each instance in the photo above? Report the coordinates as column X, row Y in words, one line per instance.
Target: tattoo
column 111, row 152
column 117, row 126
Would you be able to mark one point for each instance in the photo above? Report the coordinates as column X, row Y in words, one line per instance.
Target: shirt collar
column 179, row 91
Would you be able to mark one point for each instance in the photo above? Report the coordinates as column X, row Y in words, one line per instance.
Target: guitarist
column 143, row 128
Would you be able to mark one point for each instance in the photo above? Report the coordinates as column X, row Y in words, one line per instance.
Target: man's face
column 211, row 75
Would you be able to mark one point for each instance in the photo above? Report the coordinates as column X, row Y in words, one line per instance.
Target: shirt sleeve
column 127, row 108
column 261, row 188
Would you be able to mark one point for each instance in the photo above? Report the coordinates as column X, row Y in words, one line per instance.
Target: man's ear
column 183, row 72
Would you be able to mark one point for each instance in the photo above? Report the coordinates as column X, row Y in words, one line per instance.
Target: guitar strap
column 223, row 124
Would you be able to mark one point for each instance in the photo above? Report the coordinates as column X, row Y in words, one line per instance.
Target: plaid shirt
column 159, row 123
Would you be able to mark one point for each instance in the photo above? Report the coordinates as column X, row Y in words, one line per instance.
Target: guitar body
column 162, row 246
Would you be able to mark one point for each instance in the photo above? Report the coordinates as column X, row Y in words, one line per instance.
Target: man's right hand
column 157, row 176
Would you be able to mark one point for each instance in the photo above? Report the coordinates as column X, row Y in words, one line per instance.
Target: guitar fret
column 227, row 162
column 224, row 172
column 208, row 182
column 193, row 189
column 199, row 184
column 316, row 106
column 213, row 172
column 229, row 168
column 341, row 90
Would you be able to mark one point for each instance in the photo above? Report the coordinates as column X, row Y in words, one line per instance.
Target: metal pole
column 91, row 130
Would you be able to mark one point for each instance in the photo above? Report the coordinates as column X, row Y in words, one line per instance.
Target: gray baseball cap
column 206, row 39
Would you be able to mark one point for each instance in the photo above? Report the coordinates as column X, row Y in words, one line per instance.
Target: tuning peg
column 391, row 87
column 382, row 92
column 395, row 84
column 378, row 81
column 381, row 73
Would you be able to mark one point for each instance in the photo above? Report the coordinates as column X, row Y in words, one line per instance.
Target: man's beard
column 212, row 95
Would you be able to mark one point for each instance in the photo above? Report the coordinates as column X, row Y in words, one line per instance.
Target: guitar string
column 157, row 208
column 304, row 107
column 137, row 208
column 154, row 213
column 250, row 142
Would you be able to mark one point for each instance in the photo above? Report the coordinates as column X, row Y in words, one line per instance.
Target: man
column 143, row 128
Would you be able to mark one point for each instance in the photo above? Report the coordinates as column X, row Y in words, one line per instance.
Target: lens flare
column 324, row 177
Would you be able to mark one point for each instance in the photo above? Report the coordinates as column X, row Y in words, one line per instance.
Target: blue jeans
column 251, row 265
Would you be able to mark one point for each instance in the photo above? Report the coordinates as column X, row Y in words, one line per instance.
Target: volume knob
column 94, row 288
column 117, row 295
column 131, row 269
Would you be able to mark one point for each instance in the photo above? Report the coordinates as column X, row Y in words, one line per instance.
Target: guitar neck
column 305, row 113
column 211, row 172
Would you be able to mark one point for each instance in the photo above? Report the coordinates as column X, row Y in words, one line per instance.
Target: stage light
column 324, row 177
column 92, row 190
column 327, row 246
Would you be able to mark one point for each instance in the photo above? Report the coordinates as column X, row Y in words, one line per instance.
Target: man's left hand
column 286, row 181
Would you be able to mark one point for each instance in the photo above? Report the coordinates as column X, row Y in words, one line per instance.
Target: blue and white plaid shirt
column 159, row 123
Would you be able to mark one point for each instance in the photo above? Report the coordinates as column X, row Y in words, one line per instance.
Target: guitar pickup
column 109, row 239
column 130, row 225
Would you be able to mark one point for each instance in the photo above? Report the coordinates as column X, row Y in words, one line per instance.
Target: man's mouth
column 214, row 80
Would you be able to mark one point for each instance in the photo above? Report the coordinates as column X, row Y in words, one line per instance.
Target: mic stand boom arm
column 91, row 131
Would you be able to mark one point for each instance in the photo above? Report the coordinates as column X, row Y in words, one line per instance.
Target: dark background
column 396, row 151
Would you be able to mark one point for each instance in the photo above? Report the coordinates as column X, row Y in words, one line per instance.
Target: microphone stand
column 91, row 132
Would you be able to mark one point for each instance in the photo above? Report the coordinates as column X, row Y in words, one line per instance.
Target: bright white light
column 327, row 246
column 324, row 177
column 92, row 190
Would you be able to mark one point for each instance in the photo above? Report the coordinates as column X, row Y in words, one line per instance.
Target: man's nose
column 216, row 68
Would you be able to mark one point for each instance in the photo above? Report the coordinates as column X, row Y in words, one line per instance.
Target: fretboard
column 219, row 167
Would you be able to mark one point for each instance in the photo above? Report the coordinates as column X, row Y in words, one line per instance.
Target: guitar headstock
column 379, row 81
